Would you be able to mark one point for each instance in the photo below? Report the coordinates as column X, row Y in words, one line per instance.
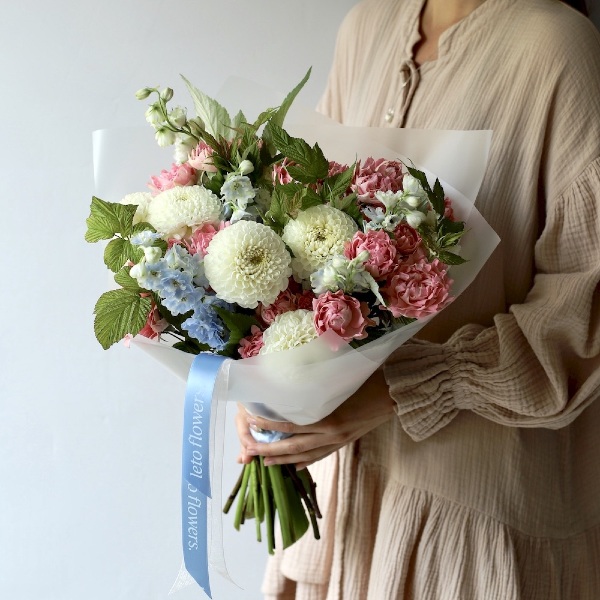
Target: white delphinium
column 289, row 330
column 238, row 193
column 142, row 201
column 348, row 275
column 315, row 236
column 174, row 212
column 247, row 263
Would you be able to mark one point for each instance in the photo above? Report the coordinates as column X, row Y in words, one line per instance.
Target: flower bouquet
column 255, row 246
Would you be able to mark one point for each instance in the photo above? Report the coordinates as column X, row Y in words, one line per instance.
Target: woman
column 469, row 467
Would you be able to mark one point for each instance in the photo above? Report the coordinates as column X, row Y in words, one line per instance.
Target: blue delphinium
column 206, row 326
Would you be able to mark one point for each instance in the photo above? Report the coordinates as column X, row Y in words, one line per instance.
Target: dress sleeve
column 539, row 365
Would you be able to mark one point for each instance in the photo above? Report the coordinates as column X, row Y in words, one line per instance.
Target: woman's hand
column 369, row 407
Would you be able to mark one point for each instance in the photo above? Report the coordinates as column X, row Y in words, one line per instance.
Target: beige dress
column 487, row 485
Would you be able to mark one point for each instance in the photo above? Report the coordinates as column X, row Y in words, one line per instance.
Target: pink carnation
column 251, row 345
column 280, row 173
column 407, row 239
column 448, row 210
column 201, row 238
column 179, row 175
column 200, row 158
column 418, row 290
column 287, row 300
column 155, row 324
column 335, row 168
column 381, row 248
column 377, row 175
column 343, row 314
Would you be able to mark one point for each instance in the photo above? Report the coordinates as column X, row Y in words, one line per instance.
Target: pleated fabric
column 487, row 485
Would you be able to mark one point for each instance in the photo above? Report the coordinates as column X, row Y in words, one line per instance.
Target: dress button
column 389, row 115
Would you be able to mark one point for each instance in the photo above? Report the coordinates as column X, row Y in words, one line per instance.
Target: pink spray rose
column 179, row 175
column 200, row 158
column 251, row 344
column 377, row 175
column 345, row 315
column 407, row 239
column 380, row 246
column 418, row 290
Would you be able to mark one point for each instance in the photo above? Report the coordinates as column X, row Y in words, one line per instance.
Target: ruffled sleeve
column 539, row 365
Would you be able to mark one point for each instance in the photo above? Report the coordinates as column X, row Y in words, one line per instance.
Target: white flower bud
column 166, row 94
column 178, row 116
column 415, row 218
column 431, row 218
column 411, row 185
column 165, row 137
column 138, row 270
column 143, row 93
column 412, row 201
column 245, row 167
column 154, row 114
column 152, row 254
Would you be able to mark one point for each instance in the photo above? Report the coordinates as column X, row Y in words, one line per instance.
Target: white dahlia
column 315, row 236
column 288, row 330
column 176, row 211
column 142, row 201
column 247, row 263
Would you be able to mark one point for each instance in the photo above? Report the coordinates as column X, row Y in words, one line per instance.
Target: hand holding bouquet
column 253, row 243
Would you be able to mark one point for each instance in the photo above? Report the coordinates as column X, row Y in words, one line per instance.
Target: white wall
column 89, row 440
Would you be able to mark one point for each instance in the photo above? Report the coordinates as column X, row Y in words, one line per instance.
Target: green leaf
column 276, row 217
column 215, row 117
column 119, row 251
column 117, row 313
column 108, row 219
column 126, row 281
column 449, row 258
column 239, row 324
column 349, row 205
column 337, row 185
column 238, row 120
column 438, row 195
column 279, row 117
column 311, row 160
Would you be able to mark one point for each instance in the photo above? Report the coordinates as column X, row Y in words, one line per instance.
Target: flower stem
column 234, row 493
column 241, row 505
column 268, row 504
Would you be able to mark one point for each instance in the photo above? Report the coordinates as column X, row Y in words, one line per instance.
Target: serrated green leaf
column 349, row 205
column 337, row 185
column 276, row 215
column 302, row 175
column 438, row 198
column 238, row 120
column 108, row 219
column 119, row 251
column 312, row 160
column 126, row 281
column 117, row 313
column 449, row 258
column 215, row 117
column 279, row 117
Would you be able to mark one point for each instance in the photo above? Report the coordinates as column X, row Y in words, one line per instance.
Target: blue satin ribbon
column 195, row 480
